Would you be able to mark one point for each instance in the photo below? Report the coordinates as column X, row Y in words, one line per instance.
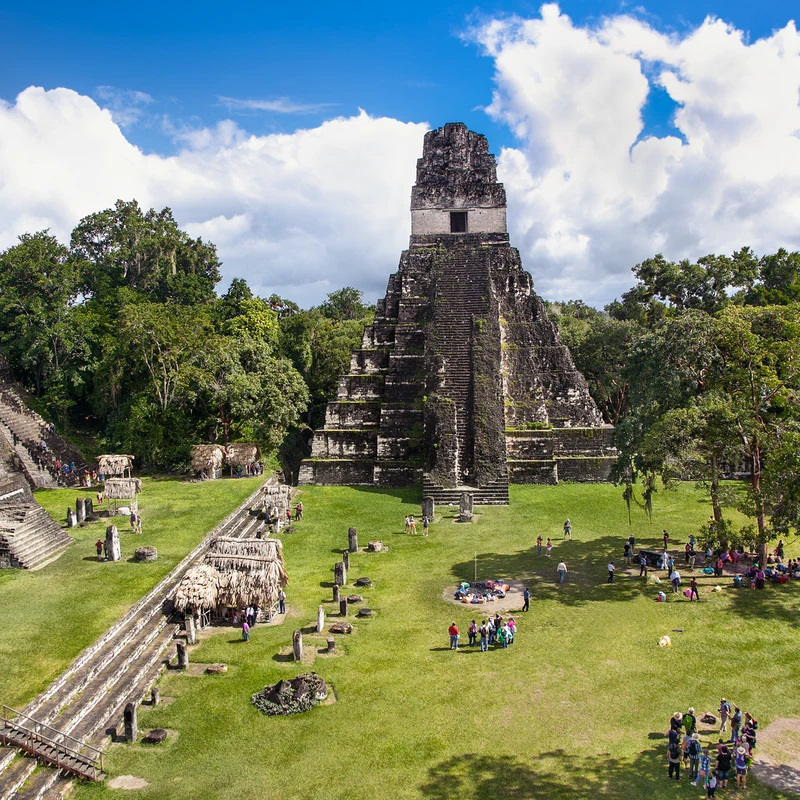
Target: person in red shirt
column 453, row 631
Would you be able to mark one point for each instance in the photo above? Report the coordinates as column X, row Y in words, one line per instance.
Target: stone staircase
column 29, row 537
column 88, row 699
column 25, row 431
column 491, row 494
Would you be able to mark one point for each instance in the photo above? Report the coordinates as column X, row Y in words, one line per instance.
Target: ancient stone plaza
column 462, row 382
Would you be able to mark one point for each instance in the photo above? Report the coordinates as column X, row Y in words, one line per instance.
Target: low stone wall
column 336, row 471
column 585, row 470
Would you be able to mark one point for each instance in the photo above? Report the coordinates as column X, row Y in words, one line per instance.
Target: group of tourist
column 492, row 631
column 250, row 615
column 411, row 525
column 712, row 766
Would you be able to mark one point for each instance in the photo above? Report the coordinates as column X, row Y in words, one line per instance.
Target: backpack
column 674, row 752
column 694, row 749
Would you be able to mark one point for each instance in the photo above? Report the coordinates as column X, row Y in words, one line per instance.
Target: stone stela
column 462, row 382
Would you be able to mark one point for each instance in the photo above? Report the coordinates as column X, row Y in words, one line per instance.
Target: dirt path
column 777, row 761
column 511, row 602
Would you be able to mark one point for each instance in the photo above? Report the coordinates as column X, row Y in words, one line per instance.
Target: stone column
column 131, row 724
column 80, row 510
column 297, row 645
column 113, row 552
column 339, row 573
column 428, row 508
column 191, row 629
column 183, row 655
column 343, row 607
column 352, row 540
column 320, row 619
column 335, row 592
column 72, row 520
column 346, row 559
column 88, row 506
column 155, row 696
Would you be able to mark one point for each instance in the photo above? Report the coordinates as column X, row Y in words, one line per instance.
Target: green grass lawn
column 48, row 616
column 576, row 708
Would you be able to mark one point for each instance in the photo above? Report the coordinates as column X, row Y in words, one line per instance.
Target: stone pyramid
column 462, row 382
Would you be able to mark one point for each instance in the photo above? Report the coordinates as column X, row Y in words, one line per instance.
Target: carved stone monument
column 432, row 396
column 320, row 619
column 72, row 520
column 428, row 507
column 352, row 540
column 80, row 509
column 465, row 507
column 339, row 574
column 131, row 723
column 112, row 548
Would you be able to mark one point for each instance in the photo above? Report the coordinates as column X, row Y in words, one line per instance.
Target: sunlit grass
column 576, row 708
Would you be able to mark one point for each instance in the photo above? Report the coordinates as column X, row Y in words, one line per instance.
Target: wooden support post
column 320, row 619
column 183, row 655
column 297, row 645
column 343, row 607
column 352, row 540
column 191, row 629
column 131, row 724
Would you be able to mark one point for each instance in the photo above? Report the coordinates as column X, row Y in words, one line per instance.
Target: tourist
column 99, row 545
column 483, row 633
column 512, row 629
column 703, row 767
column 453, row 631
column 492, row 631
column 548, row 547
column 562, row 571
column 666, row 539
column 245, row 631
column 723, row 764
column 626, row 553
column 413, row 525
column 724, row 713
column 611, row 569
column 711, row 784
column 741, row 767
column 674, row 757
column 690, row 721
column 288, row 514
column 693, row 593
column 281, row 601
column 687, row 553
column 694, row 755
column 526, row 599
column 99, row 498
column 539, row 545
column 504, row 635
column 568, row 530
column 736, row 723
column 408, row 523
column 675, row 580
column 642, row 565
column 298, row 512
column 472, row 633
column 425, row 523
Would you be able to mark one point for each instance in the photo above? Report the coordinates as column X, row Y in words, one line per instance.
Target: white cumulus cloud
column 299, row 214
column 591, row 193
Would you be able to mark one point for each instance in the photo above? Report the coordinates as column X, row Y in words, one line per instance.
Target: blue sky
column 184, row 82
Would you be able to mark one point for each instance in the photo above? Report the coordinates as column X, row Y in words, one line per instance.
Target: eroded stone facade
column 462, row 380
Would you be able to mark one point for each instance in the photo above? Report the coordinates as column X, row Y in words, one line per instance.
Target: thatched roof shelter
column 122, row 488
column 114, row 464
column 251, row 570
column 240, row 454
column 199, row 589
column 207, row 458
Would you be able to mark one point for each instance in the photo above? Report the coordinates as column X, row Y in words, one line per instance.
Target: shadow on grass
column 486, row 778
column 775, row 601
column 283, row 658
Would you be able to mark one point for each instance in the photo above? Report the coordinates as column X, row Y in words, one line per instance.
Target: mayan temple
column 461, row 382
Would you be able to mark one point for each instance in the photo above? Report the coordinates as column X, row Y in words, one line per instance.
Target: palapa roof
column 198, row 589
column 251, row 570
column 207, row 455
column 122, row 488
column 239, row 454
column 114, row 464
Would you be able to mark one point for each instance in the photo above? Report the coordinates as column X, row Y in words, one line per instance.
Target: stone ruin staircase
column 462, row 302
column 87, row 701
column 24, row 430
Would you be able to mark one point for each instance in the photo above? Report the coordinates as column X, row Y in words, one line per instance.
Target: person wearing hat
column 724, row 713
column 690, row 721
column 741, row 767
